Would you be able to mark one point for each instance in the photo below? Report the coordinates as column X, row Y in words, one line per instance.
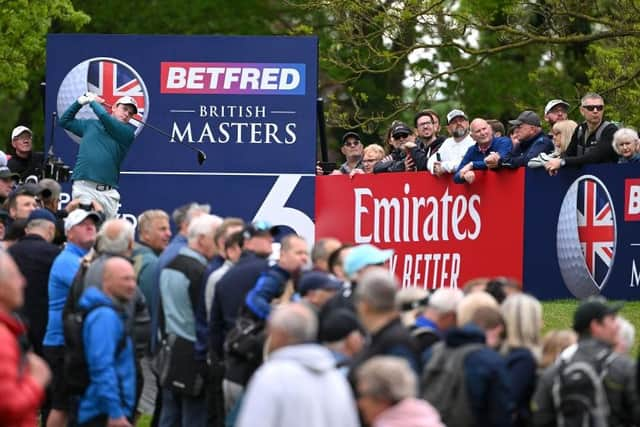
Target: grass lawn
column 559, row 314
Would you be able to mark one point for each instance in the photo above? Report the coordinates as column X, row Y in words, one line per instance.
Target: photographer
column 105, row 143
column 24, row 161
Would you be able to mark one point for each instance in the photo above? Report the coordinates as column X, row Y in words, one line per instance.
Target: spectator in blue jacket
column 485, row 144
column 110, row 397
column 294, row 254
column 531, row 142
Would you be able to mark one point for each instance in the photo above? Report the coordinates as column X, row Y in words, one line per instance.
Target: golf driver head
column 201, row 157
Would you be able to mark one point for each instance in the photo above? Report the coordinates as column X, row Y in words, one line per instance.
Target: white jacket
column 298, row 386
column 451, row 153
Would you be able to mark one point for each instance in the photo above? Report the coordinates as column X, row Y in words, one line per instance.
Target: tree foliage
column 490, row 57
column 24, row 25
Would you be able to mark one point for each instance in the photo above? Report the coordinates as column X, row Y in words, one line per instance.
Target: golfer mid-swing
column 103, row 146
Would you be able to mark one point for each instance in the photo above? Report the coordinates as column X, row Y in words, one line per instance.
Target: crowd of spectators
column 216, row 327
column 481, row 144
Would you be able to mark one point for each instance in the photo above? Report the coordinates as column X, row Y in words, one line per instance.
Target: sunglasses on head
column 593, row 107
column 400, row 135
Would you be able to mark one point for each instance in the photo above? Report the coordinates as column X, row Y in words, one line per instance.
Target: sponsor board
column 443, row 234
column 249, row 103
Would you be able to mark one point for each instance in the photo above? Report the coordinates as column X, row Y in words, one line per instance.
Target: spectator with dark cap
column 555, row 111
column 591, row 141
column 401, row 140
column 352, row 150
column 595, row 322
column 34, row 255
column 232, row 288
column 316, row 288
column 342, row 333
column 24, row 161
column 453, row 148
column 7, row 181
column 532, row 141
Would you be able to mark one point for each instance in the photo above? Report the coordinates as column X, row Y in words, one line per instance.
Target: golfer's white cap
column 130, row 101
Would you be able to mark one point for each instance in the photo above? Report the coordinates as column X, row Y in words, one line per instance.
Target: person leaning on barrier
column 401, row 139
column 372, row 155
column 453, row 149
column 592, row 139
column 532, row 141
column 626, row 145
column 561, row 133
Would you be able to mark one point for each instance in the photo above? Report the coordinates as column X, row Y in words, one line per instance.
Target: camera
column 56, row 169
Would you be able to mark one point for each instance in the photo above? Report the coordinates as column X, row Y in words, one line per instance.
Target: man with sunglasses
column 352, row 149
column 401, row 139
column 591, row 141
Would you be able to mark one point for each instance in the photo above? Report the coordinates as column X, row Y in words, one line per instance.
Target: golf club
column 201, row 156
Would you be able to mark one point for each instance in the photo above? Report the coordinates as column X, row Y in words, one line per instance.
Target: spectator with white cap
column 80, row 227
column 453, row 148
column 105, row 143
column 556, row 110
column 24, row 161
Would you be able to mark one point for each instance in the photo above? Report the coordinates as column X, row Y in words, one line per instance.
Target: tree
column 25, row 25
column 492, row 57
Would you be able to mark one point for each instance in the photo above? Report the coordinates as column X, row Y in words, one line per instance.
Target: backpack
column 578, row 392
column 444, row 383
column 76, row 370
column 582, row 138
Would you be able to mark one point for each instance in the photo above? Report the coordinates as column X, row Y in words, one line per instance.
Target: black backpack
column 578, row 391
column 444, row 383
column 76, row 370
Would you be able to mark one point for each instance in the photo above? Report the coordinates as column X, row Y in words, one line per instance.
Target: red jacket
column 20, row 394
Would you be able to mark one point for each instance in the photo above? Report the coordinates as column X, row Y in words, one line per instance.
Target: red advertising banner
column 443, row 233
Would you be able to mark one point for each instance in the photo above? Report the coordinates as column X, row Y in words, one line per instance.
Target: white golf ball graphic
column 75, row 84
column 571, row 257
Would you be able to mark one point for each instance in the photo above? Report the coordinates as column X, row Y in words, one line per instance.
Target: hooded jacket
column 112, row 373
column 21, row 394
column 298, row 385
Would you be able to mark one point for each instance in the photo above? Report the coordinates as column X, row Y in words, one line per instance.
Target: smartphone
column 438, row 158
column 327, row 167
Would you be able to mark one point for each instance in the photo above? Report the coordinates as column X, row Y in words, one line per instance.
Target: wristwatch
column 563, row 162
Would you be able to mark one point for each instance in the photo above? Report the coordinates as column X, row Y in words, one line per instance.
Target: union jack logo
column 112, row 80
column 596, row 228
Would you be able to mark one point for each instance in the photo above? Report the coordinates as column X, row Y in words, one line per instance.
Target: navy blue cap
column 313, row 280
column 41, row 214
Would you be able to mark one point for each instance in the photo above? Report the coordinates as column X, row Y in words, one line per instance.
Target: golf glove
column 86, row 98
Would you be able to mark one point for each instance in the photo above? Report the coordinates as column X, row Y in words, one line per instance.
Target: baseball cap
column 350, row 134
column 313, row 280
column 551, row 104
column 3, row 158
column 259, row 228
column 593, row 309
column 364, row 255
column 41, row 213
column 18, row 130
column 5, row 172
column 337, row 325
column 526, row 117
column 77, row 216
column 130, row 101
column 455, row 113
column 400, row 128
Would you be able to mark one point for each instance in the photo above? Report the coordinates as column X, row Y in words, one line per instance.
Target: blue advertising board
column 248, row 103
column 582, row 232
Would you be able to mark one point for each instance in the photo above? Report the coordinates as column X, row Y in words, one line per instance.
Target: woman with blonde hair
column 371, row 155
column 523, row 318
column 562, row 132
column 554, row 343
